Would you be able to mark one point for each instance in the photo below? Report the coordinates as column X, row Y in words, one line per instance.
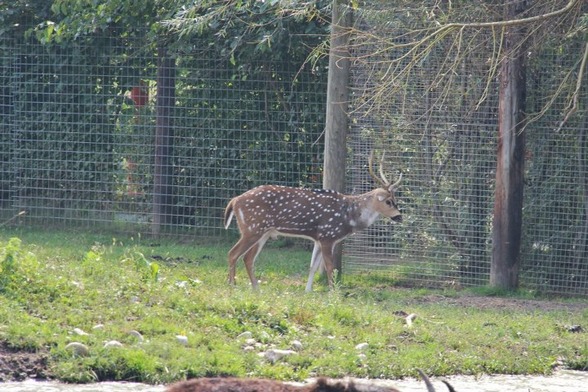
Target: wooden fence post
column 337, row 122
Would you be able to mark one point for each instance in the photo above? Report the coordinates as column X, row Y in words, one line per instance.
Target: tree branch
column 574, row 102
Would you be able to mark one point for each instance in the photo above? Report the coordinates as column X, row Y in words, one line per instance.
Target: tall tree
column 337, row 123
column 508, row 199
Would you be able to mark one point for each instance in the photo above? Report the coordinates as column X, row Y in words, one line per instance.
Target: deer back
column 312, row 213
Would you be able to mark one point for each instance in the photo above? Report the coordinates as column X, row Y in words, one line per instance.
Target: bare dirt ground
column 20, row 365
column 504, row 303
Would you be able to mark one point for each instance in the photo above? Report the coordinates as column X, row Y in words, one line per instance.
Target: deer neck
column 361, row 214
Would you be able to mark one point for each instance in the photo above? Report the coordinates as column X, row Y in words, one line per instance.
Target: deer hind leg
column 250, row 257
column 239, row 249
column 315, row 263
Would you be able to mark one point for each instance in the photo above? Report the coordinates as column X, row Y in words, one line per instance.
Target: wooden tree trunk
column 164, row 134
column 508, row 203
column 337, row 104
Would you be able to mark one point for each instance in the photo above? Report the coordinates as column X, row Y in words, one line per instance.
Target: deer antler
column 382, row 180
column 395, row 185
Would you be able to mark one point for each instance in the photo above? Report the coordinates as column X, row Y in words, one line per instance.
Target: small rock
column 248, row 348
column 250, row 342
column 245, row 335
column 264, row 336
column 362, row 346
column 296, row 345
column 182, row 339
column 112, row 343
column 275, row 355
column 78, row 349
column 80, row 332
column 137, row 335
column 98, row 326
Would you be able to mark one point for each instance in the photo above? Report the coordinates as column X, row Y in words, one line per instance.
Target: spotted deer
column 323, row 216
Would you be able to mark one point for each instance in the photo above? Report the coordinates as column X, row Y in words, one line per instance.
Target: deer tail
column 229, row 214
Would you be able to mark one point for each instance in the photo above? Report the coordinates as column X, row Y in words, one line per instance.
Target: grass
column 52, row 282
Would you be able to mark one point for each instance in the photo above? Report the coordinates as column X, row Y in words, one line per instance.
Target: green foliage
column 17, row 267
column 78, row 129
column 76, row 20
column 243, row 30
column 148, row 269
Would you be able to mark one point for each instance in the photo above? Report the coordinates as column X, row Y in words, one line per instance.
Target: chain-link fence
column 82, row 127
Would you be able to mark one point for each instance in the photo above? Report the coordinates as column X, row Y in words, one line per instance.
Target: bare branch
column 393, row 72
column 574, row 101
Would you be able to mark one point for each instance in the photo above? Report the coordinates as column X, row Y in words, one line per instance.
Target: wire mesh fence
column 80, row 126
column 79, row 142
column 434, row 112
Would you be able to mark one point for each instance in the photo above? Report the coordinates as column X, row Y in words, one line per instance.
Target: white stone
column 274, row 355
column 112, row 343
column 78, row 348
column 245, row 335
column 137, row 335
column 264, row 336
column 80, row 332
column 296, row 345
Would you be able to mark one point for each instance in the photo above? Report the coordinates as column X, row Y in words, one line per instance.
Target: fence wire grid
column 79, row 127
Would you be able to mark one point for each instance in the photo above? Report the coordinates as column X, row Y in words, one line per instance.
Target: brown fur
column 260, row 385
column 231, row 384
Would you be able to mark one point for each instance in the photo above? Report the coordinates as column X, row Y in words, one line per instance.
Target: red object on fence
column 140, row 94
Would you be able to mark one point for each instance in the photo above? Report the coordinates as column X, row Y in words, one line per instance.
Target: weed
column 17, row 267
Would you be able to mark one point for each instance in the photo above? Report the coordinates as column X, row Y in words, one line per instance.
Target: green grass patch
column 52, row 283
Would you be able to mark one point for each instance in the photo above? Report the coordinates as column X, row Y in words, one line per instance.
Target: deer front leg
column 315, row 263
